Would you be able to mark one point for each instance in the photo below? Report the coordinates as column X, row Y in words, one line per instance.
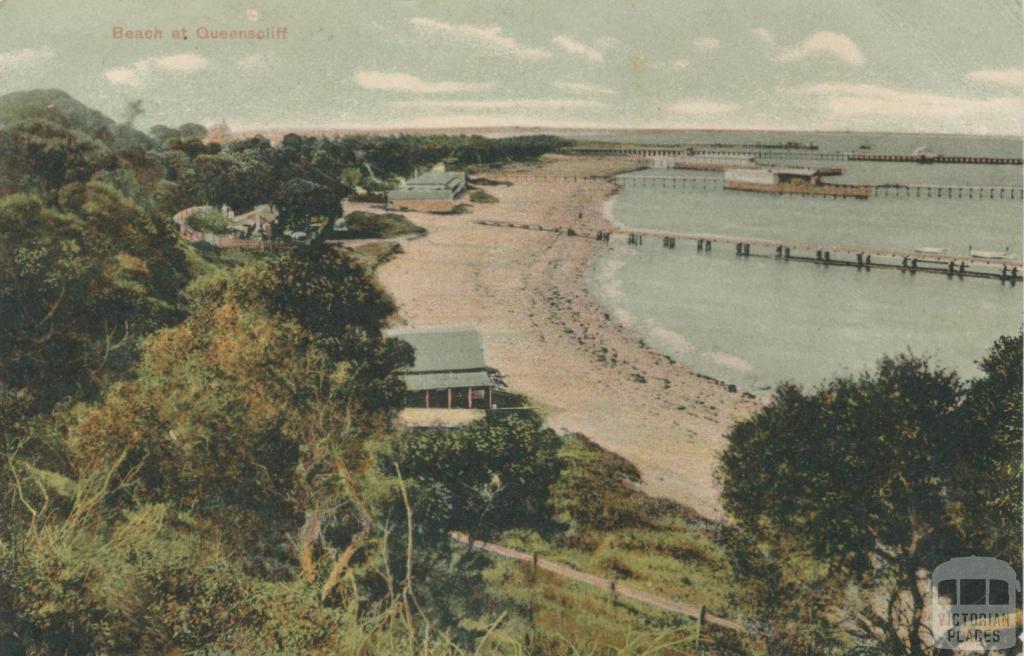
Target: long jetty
column 973, row 192
column 822, row 254
column 790, row 154
column 935, row 159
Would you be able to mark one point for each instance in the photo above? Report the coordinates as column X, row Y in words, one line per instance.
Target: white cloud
column 702, row 106
column 257, row 61
column 138, row 74
column 825, row 43
column 183, row 63
column 917, row 110
column 486, row 105
column 1005, row 77
column 707, row 43
column 680, row 63
column 379, row 81
column 490, row 38
column 16, row 59
column 574, row 47
column 581, row 87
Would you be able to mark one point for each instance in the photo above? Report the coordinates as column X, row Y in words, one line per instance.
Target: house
column 256, row 224
column 434, row 191
column 449, row 370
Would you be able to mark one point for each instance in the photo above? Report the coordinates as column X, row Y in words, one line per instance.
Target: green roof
column 444, row 350
column 449, row 179
column 444, row 358
column 420, row 382
column 421, row 194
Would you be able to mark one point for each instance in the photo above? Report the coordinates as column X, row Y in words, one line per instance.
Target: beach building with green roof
column 449, row 371
column 434, row 191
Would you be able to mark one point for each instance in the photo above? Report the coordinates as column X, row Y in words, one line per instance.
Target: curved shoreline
column 527, row 292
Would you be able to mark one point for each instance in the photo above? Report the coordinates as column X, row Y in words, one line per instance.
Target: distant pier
column 784, row 154
column 879, row 191
column 936, row 159
column 959, row 266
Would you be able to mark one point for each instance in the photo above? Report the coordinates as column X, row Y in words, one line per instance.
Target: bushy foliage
column 597, row 490
column 363, row 225
column 79, row 285
column 209, row 221
column 878, row 476
column 487, row 476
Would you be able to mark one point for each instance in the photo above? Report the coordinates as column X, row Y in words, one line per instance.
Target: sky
column 943, row 66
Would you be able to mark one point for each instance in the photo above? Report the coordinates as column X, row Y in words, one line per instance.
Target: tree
column 42, row 156
column 79, row 287
column 858, row 470
column 300, row 199
column 986, row 467
column 254, row 412
column 490, row 475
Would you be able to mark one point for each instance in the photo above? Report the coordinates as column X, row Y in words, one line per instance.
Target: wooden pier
column 936, row 159
column 959, row 266
column 950, row 192
column 781, row 154
column 710, row 183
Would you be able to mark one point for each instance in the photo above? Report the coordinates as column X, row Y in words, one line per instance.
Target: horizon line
column 254, row 131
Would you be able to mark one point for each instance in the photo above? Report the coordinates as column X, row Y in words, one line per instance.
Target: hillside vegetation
column 199, row 450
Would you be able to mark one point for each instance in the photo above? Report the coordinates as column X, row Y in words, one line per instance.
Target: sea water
column 758, row 321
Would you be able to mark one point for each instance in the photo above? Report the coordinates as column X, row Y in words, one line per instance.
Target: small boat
column 990, row 255
column 930, row 250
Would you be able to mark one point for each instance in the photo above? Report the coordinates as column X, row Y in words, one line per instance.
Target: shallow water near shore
column 757, row 321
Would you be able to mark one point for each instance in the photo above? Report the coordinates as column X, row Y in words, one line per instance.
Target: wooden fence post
column 700, row 624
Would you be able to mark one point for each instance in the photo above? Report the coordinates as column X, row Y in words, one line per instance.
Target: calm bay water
column 758, row 321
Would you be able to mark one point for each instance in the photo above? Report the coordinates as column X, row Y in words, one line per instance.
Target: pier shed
column 449, row 371
column 792, row 180
column 434, row 191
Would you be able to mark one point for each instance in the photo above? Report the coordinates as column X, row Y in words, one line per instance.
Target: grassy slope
column 647, row 544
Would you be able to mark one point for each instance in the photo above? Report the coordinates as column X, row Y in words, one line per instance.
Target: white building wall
column 750, row 176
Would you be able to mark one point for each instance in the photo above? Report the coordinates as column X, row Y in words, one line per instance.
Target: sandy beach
column 526, row 292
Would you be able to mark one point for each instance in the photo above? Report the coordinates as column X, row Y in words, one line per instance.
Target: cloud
column 257, row 61
column 707, row 43
column 379, row 81
column 581, row 87
column 574, row 47
column 680, row 63
column 516, row 103
column 183, row 63
column 1004, row 77
column 702, row 106
column 916, row 109
column 826, row 43
column 138, row 74
column 24, row 58
column 490, row 38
